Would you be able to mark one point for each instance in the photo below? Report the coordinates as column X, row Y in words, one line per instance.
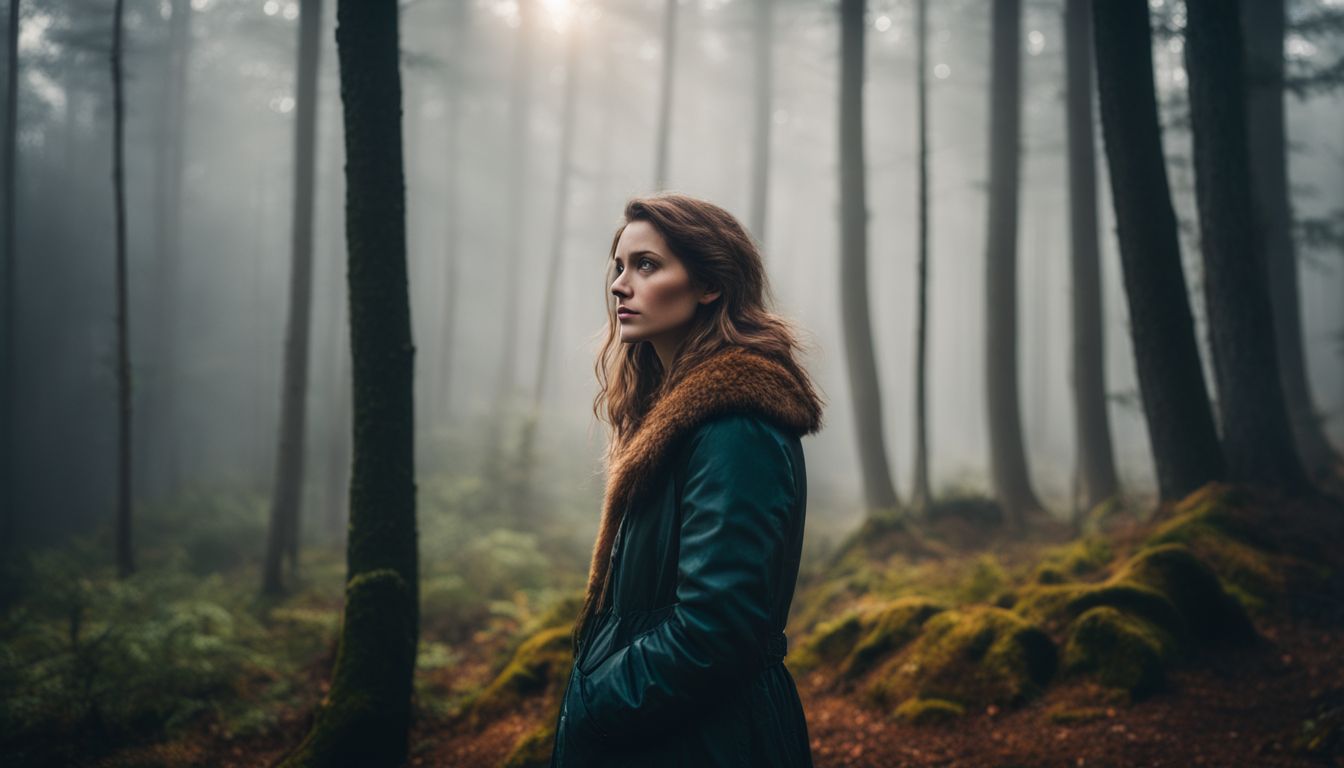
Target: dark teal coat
column 682, row 665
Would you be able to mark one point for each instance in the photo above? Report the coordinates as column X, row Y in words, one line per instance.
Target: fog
column 207, row 318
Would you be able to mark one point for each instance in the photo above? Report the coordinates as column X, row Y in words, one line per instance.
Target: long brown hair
column 718, row 254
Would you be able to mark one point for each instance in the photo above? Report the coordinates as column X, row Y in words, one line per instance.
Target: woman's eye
column 645, row 262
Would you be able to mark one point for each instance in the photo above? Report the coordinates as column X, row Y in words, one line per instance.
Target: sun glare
column 560, row 13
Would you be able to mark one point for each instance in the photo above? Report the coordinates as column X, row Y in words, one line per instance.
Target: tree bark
column 920, row 494
column 1089, row 373
column 1008, row 460
column 1175, row 402
column 365, row 718
column 286, row 500
column 878, row 490
column 1263, row 23
column 764, row 34
column 125, row 558
column 1257, row 435
column 665, row 94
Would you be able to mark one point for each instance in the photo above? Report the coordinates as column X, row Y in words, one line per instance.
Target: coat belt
column 776, row 648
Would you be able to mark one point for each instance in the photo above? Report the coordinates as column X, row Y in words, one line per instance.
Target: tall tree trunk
column 1008, row 459
column 878, row 491
column 8, row 443
column 1171, row 380
column 286, row 500
column 520, row 120
column 1089, row 372
column 1257, row 434
column 549, row 311
column 665, row 94
column 161, row 437
column 365, row 718
column 125, row 559
column 338, row 450
column 457, row 90
column 1262, row 23
column 920, row 494
column 760, row 159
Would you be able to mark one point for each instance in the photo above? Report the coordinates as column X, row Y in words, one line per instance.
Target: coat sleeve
column 736, row 503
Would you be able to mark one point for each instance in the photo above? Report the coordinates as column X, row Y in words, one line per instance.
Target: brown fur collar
column 732, row 381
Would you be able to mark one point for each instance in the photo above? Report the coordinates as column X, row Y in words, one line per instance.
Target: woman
column 679, row 645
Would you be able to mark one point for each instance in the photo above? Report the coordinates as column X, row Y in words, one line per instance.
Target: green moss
column 887, row 628
column 1216, row 509
column 1122, row 650
column 533, row 749
column 1076, row 559
column 541, row 664
column 1212, row 616
column 972, row 655
column 1054, row 607
column 983, row 581
column 921, row 711
column 365, row 717
column 1219, row 524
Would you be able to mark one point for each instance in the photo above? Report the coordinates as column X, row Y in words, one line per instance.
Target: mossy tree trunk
column 1257, row 436
column 1089, row 372
column 364, row 719
column 1007, row 457
column 1262, row 23
column 878, row 490
column 282, row 540
column 1175, row 402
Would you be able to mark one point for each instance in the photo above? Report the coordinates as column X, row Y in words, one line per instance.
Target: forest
column 300, row 302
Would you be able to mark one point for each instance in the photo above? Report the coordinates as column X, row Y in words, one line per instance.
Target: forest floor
column 1240, row 707
column 1278, row 701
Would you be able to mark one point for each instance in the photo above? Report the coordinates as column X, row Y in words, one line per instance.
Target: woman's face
column 654, row 294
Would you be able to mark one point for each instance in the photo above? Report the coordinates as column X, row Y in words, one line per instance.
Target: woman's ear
column 708, row 296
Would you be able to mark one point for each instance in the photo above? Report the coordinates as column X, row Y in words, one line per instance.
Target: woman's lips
column 625, row 314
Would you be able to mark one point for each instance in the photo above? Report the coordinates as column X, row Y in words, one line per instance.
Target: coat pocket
column 617, row 631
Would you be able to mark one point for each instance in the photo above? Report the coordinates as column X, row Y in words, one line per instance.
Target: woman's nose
column 619, row 288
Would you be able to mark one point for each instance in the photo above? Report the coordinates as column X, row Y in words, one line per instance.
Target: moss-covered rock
column 1222, row 526
column 885, row 629
column 853, row 643
column 973, row 655
column 1055, row 606
column 1212, row 617
column 922, row 711
column 540, row 665
column 1122, row 650
column 1077, row 559
column 830, row 643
